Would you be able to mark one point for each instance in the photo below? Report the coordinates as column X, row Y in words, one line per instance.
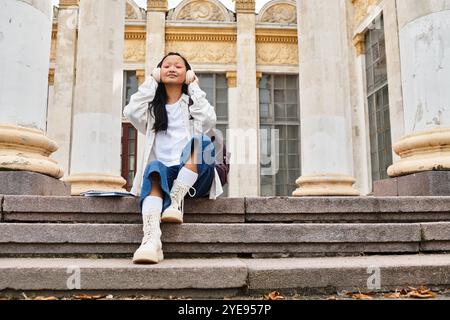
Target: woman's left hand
column 196, row 81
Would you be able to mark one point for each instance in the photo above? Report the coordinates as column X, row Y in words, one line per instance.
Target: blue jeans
column 205, row 158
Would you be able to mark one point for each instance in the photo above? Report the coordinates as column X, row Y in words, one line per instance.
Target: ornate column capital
column 64, row 4
column 258, row 78
column 157, row 5
column 359, row 41
column 140, row 75
column 245, row 6
column 231, row 78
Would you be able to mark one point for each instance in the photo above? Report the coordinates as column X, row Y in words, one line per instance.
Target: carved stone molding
column 157, row 5
column 133, row 11
column 204, row 52
column 245, row 6
column 281, row 11
column 134, row 51
column 277, row 53
column 201, row 10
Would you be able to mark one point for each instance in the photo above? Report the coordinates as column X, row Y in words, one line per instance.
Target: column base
column 325, row 185
column 27, row 149
column 422, row 151
column 82, row 182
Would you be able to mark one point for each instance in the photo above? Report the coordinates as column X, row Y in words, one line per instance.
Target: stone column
column 244, row 116
column 96, row 139
column 59, row 118
column 156, row 33
column 424, row 32
column 361, row 152
column 324, row 100
column 25, row 38
column 233, row 179
column 393, row 67
column 140, row 75
column 155, row 50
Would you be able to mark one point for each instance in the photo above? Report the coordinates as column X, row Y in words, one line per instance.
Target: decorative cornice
column 135, row 33
column 245, row 6
column 229, row 35
column 276, row 36
column 359, row 41
column 276, row 39
column 201, row 34
column 198, row 37
column 265, row 35
column 64, row 4
column 157, row 5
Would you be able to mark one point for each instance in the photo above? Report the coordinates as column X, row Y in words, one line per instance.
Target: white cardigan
column 203, row 122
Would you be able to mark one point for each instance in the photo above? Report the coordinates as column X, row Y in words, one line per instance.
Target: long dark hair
column 158, row 105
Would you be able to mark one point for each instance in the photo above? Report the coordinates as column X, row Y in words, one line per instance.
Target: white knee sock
column 151, row 203
column 187, row 177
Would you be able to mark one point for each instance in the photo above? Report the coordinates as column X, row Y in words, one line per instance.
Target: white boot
column 174, row 213
column 150, row 250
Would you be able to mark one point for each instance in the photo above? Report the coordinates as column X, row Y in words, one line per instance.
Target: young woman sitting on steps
column 179, row 155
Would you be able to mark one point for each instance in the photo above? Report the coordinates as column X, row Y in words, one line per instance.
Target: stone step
column 223, row 277
column 111, row 210
column 347, row 209
column 226, row 239
column 233, row 210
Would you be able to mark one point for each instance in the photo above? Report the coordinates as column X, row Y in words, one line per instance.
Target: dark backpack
column 222, row 164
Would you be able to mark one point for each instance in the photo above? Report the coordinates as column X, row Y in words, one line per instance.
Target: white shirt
column 170, row 144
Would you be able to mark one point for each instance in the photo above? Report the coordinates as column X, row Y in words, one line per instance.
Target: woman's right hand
column 156, row 74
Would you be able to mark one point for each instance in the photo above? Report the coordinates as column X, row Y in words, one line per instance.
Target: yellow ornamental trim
column 201, row 34
column 63, row 4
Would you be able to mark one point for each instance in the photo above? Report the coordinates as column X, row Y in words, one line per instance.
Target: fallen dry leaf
column 89, row 297
column 421, row 293
column 360, row 296
column 274, row 295
column 404, row 292
column 411, row 292
column 395, row 295
column 45, row 298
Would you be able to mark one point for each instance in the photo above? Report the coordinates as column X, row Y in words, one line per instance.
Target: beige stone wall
column 206, row 33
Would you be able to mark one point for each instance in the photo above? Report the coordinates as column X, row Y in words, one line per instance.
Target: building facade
column 315, row 97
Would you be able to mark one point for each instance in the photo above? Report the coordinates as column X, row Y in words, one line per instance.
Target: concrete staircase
column 236, row 246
